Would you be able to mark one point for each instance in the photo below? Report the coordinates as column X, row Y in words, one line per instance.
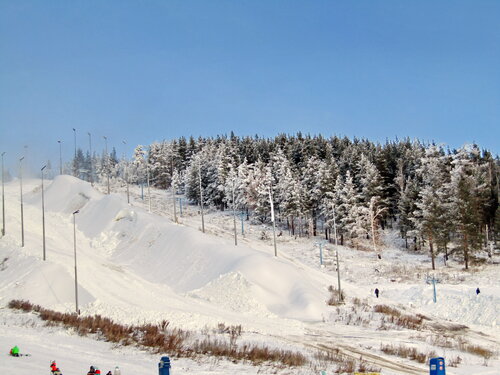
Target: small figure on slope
column 376, row 292
column 54, row 370
column 91, row 371
column 117, row 371
column 14, row 351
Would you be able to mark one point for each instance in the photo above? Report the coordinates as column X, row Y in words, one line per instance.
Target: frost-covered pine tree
column 431, row 208
column 264, row 182
column 158, row 168
column 370, row 180
column 327, row 175
column 406, row 207
column 354, row 216
column 465, row 193
column 311, row 196
column 138, row 167
column 192, row 176
column 291, row 199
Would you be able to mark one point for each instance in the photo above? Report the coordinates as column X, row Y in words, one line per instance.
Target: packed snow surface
column 135, row 266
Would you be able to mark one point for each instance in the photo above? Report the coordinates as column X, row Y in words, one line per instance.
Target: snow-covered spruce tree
column 291, row 199
column 354, row 219
column 327, row 176
column 407, row 207
column 333, row 204
column 137, row 167
column 213, row 173
column 264, row 182
column 375, row 212
column 280, row 166
column 176, row 181
column 230, row 188
column 430, row 217
column 223, row 165
column 311, row 193
column 243, row 172
column 79, row 164
column 159, row 159
column 370, row 181
column 192, row 179
column 465, row 192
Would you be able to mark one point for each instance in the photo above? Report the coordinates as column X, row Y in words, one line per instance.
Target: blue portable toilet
column 437, row 366
column 164, row 366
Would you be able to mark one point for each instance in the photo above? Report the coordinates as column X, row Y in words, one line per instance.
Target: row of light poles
column 21, row 196
column 43, row 217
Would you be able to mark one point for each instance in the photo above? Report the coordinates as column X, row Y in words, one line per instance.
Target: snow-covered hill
column 135, row 266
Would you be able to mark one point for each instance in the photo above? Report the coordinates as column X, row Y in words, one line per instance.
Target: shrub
column 159, row 338
column 407, row 352
column 399, row 319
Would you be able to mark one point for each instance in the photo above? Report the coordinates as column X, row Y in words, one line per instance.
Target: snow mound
column 43, row 283
column 232, row 292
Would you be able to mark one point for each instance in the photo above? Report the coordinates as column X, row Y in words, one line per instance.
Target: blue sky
column 149, row 70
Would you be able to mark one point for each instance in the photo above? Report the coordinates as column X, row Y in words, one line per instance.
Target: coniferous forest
column 444, row 201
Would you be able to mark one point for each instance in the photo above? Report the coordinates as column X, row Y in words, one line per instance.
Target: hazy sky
column 149, row 70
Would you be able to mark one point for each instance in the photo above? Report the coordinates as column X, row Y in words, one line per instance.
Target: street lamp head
column 21, row 159
column 3, row 153
column 77, row 211
column 74, row 129
column 58, row 141
column 43, row 167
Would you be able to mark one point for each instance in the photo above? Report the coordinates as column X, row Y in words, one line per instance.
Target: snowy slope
column 136, row 266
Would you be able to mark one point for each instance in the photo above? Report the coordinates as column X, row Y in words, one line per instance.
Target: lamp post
column 149, row 187
column 91, row 168
column 106, row 159
column 274, row 222
column 43, row 214
column 3, row 199
column 201, row 199
column 60, row 156
column 173, row 189
column 21, row 194
column 341, row 298
column 234, row 218
column 126, row 173
column 74, row 160
column 76, row 272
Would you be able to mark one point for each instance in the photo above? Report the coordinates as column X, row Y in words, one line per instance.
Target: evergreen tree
column 430, row 216
column 465, row 192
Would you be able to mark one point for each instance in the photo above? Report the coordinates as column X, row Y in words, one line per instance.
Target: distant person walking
column 477, row 291
column 376, row 292
column 117, row 371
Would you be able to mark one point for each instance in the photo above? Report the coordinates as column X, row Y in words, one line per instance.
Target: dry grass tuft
column 399, row 319
column 335, row 299
column 407, row 352
column 161, row 339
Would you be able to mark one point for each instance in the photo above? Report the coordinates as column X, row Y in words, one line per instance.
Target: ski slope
column 135, row 266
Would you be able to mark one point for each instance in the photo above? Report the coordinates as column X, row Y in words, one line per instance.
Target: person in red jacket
column 54, row 369
column 53, row 366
